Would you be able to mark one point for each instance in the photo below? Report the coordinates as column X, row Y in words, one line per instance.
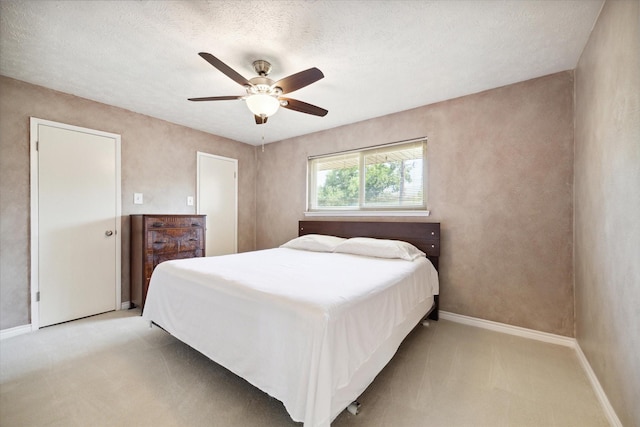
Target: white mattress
column 310, row 329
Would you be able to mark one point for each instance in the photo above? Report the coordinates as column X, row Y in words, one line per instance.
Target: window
column 388, row 177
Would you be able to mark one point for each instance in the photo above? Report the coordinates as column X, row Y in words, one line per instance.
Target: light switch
column 137, row 198
column 190, row 201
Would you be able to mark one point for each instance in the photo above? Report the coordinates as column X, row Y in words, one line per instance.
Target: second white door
column 218, row 199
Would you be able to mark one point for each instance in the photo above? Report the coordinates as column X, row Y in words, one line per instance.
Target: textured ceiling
column 378, row 57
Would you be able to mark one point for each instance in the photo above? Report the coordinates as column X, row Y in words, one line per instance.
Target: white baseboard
column 548, row 338
column 509, row 329
column 25, row 329
column 597, row 388
column 13, row 332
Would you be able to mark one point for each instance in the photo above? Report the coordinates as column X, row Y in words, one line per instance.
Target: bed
column 311, row 327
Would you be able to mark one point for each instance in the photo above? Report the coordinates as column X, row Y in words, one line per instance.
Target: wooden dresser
column 158, row 238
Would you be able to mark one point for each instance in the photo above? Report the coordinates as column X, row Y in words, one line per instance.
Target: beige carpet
column 113, row 370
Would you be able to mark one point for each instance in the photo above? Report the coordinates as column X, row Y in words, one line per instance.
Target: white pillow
column 314, row 242
column 380, row 248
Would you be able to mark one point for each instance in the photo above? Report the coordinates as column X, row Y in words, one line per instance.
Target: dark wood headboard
column 423, row 235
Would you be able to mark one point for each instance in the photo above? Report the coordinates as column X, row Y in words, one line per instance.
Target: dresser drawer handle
column 158, row 224
column 195, row 224
column 193, row 240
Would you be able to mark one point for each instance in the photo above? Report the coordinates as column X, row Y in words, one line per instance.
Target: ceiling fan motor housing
column 263, row 85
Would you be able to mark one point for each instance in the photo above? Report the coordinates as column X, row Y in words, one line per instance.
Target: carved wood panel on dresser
column 158, row 238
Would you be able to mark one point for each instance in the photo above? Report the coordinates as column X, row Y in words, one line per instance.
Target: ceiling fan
column 264, row 96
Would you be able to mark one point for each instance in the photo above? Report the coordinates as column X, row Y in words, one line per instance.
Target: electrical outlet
column 137, row 198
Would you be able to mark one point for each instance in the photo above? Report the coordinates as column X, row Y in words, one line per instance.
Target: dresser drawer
column 175, row 240
column 158, row 258
column 174, row 222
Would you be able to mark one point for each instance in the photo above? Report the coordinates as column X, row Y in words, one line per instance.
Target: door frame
column 200, row 154
column 34, row 283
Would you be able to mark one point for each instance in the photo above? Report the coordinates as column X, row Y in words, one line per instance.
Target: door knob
column 108, row 233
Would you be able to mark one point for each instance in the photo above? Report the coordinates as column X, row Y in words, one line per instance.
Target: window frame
column 361, row 210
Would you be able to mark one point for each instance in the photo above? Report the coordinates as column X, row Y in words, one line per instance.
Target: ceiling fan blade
column 299, row 80
column 216, row 98
column 303, row 107
column 228, row 71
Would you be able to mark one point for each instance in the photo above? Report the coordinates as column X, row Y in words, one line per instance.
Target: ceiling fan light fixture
column 263, row 105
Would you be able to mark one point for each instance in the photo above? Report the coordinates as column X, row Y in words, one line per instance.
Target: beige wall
column 158, row 160
column 500, row 182
column 607, row 205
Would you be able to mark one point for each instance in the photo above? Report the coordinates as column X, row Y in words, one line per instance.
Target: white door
column 78, row 222
column 218, row 199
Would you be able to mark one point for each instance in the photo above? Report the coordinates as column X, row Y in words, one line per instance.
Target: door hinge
column 234, row 175
column 38, row 296
column 37, row 145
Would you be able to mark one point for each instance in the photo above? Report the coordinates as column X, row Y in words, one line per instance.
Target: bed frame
column 423, row 235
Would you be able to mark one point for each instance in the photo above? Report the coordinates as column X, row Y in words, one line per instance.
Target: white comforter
column 310, row 329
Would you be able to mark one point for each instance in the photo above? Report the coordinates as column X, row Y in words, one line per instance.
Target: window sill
column 365, row 213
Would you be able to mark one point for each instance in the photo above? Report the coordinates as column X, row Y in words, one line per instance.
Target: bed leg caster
column 354, row 408
column 425, row 323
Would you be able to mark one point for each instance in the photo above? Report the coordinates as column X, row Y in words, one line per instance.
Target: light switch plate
column 190, row 201
column 137, row 198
